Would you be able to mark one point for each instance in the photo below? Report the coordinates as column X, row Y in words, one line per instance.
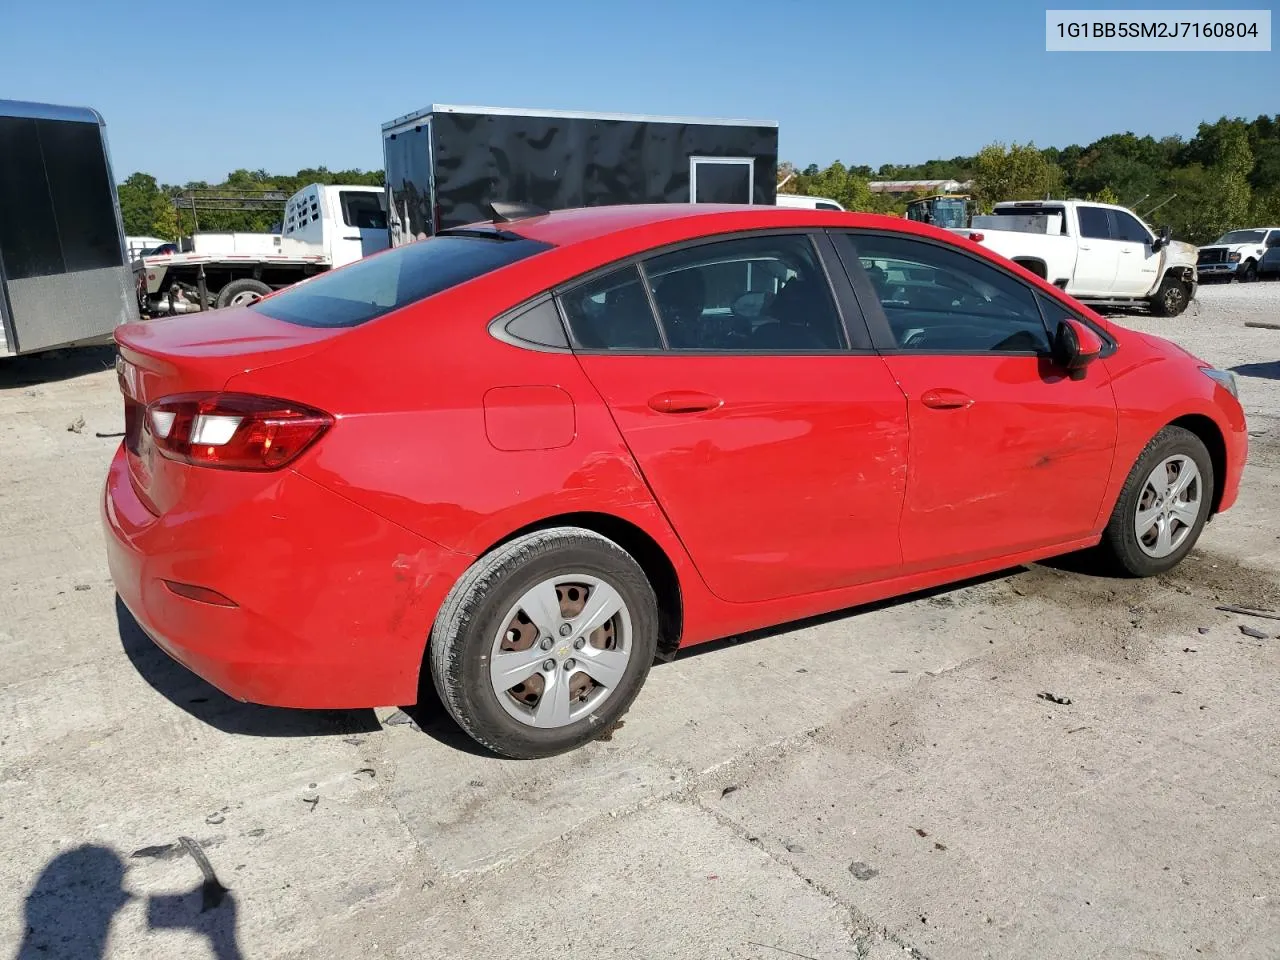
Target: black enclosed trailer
column 64, row 270
column 446, row 164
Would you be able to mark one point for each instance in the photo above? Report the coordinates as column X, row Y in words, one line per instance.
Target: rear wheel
column 241, row 293
column 542, row 645
column 1171, row 299
column 1163, row 505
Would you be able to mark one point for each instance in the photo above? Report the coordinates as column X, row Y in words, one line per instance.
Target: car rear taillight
column 233, row 431
column 977, row 237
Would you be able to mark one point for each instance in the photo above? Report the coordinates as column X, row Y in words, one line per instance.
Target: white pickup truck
column 1099, row 253
column 324, row 227
column 1237, row 254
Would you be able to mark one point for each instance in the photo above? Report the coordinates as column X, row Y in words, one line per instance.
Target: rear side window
column 369, row 288
column 612, row 312
column 363, row 210
column 755, row 294
column 1093, row 223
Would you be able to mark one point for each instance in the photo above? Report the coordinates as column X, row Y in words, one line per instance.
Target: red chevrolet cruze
column 530, row 456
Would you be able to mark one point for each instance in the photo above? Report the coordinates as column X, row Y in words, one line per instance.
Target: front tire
column 1171, row 299
column 1248, row 272
column 1163, row 505
column 543, row 643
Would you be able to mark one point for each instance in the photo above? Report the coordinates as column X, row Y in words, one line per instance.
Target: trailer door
column 721, row 179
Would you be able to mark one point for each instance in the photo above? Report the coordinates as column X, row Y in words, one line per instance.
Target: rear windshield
column 369, row 288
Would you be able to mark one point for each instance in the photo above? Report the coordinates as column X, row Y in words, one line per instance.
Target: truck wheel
column 1171, row 299
column 544, row 642
column 1162, row 506
column 1248, row 272
column 241, row 293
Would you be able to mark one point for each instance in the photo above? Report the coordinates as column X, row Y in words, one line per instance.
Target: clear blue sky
column 289, row 84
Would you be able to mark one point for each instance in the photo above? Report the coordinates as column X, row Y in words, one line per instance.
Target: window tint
column 612, row 312
column 539, row 325
column 369, row 288
column 826, row 206
column 1093, row 223
column 939, row 300
column 363, row 210
column 1125, row 227
column 756, row 294
column 1273, row 238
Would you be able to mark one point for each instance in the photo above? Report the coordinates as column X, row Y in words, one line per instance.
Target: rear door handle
column 353, row 238
column 945, row 398
column 684, row 401
column 1083, row 247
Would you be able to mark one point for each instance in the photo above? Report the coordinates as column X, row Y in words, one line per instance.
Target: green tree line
column 148, row 207
column 1226, row 176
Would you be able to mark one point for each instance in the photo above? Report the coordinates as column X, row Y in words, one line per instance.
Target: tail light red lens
column 233, row 431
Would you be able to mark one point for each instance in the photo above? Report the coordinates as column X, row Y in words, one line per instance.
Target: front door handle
column 684, row 401
column 945, row 398
column 353, row 238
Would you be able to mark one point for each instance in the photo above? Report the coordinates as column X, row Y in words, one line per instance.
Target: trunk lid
column 194, row 353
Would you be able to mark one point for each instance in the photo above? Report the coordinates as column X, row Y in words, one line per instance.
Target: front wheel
column 1163, row 505
column 1171, row 299
column 544, row 642
column 1248, row 272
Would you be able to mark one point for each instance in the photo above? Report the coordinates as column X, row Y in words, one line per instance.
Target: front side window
column 938, row 300
column 756, row 294
column 1127, row 228
column 1094, row 223
column 377, row 285
column 363, row 210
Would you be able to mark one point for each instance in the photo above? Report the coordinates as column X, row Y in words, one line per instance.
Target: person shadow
column 69, row 910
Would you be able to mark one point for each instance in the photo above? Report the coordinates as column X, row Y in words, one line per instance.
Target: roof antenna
column 504, row 211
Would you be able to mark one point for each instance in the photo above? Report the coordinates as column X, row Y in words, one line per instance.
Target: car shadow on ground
column 1268, row 370
column 713, row 645
column 33, row 369
column 208, row 704
column 69, row 909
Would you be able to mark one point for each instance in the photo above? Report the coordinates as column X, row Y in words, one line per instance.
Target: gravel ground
column 878, row 784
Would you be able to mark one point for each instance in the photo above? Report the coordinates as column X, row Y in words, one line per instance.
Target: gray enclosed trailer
column 446, row 164
column 64, row 266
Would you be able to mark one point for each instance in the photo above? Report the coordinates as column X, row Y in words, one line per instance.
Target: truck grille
column 1212, row 256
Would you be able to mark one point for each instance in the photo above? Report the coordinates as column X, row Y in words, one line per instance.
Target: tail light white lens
column 233, row 431
column 162, row 423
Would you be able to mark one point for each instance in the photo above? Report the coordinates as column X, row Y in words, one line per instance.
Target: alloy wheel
column 1168, row 506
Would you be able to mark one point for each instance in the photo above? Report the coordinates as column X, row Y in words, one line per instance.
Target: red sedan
column 530, row 456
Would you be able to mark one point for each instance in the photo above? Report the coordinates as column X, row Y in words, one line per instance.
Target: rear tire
column 241, row 293
column 532, row 602
column 1170, row 505
column 1171, row 299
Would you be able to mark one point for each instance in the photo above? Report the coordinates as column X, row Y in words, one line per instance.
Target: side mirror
column 1075, row 346
column 1163, row 236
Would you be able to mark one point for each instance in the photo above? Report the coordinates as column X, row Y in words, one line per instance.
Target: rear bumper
column 333, row 603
